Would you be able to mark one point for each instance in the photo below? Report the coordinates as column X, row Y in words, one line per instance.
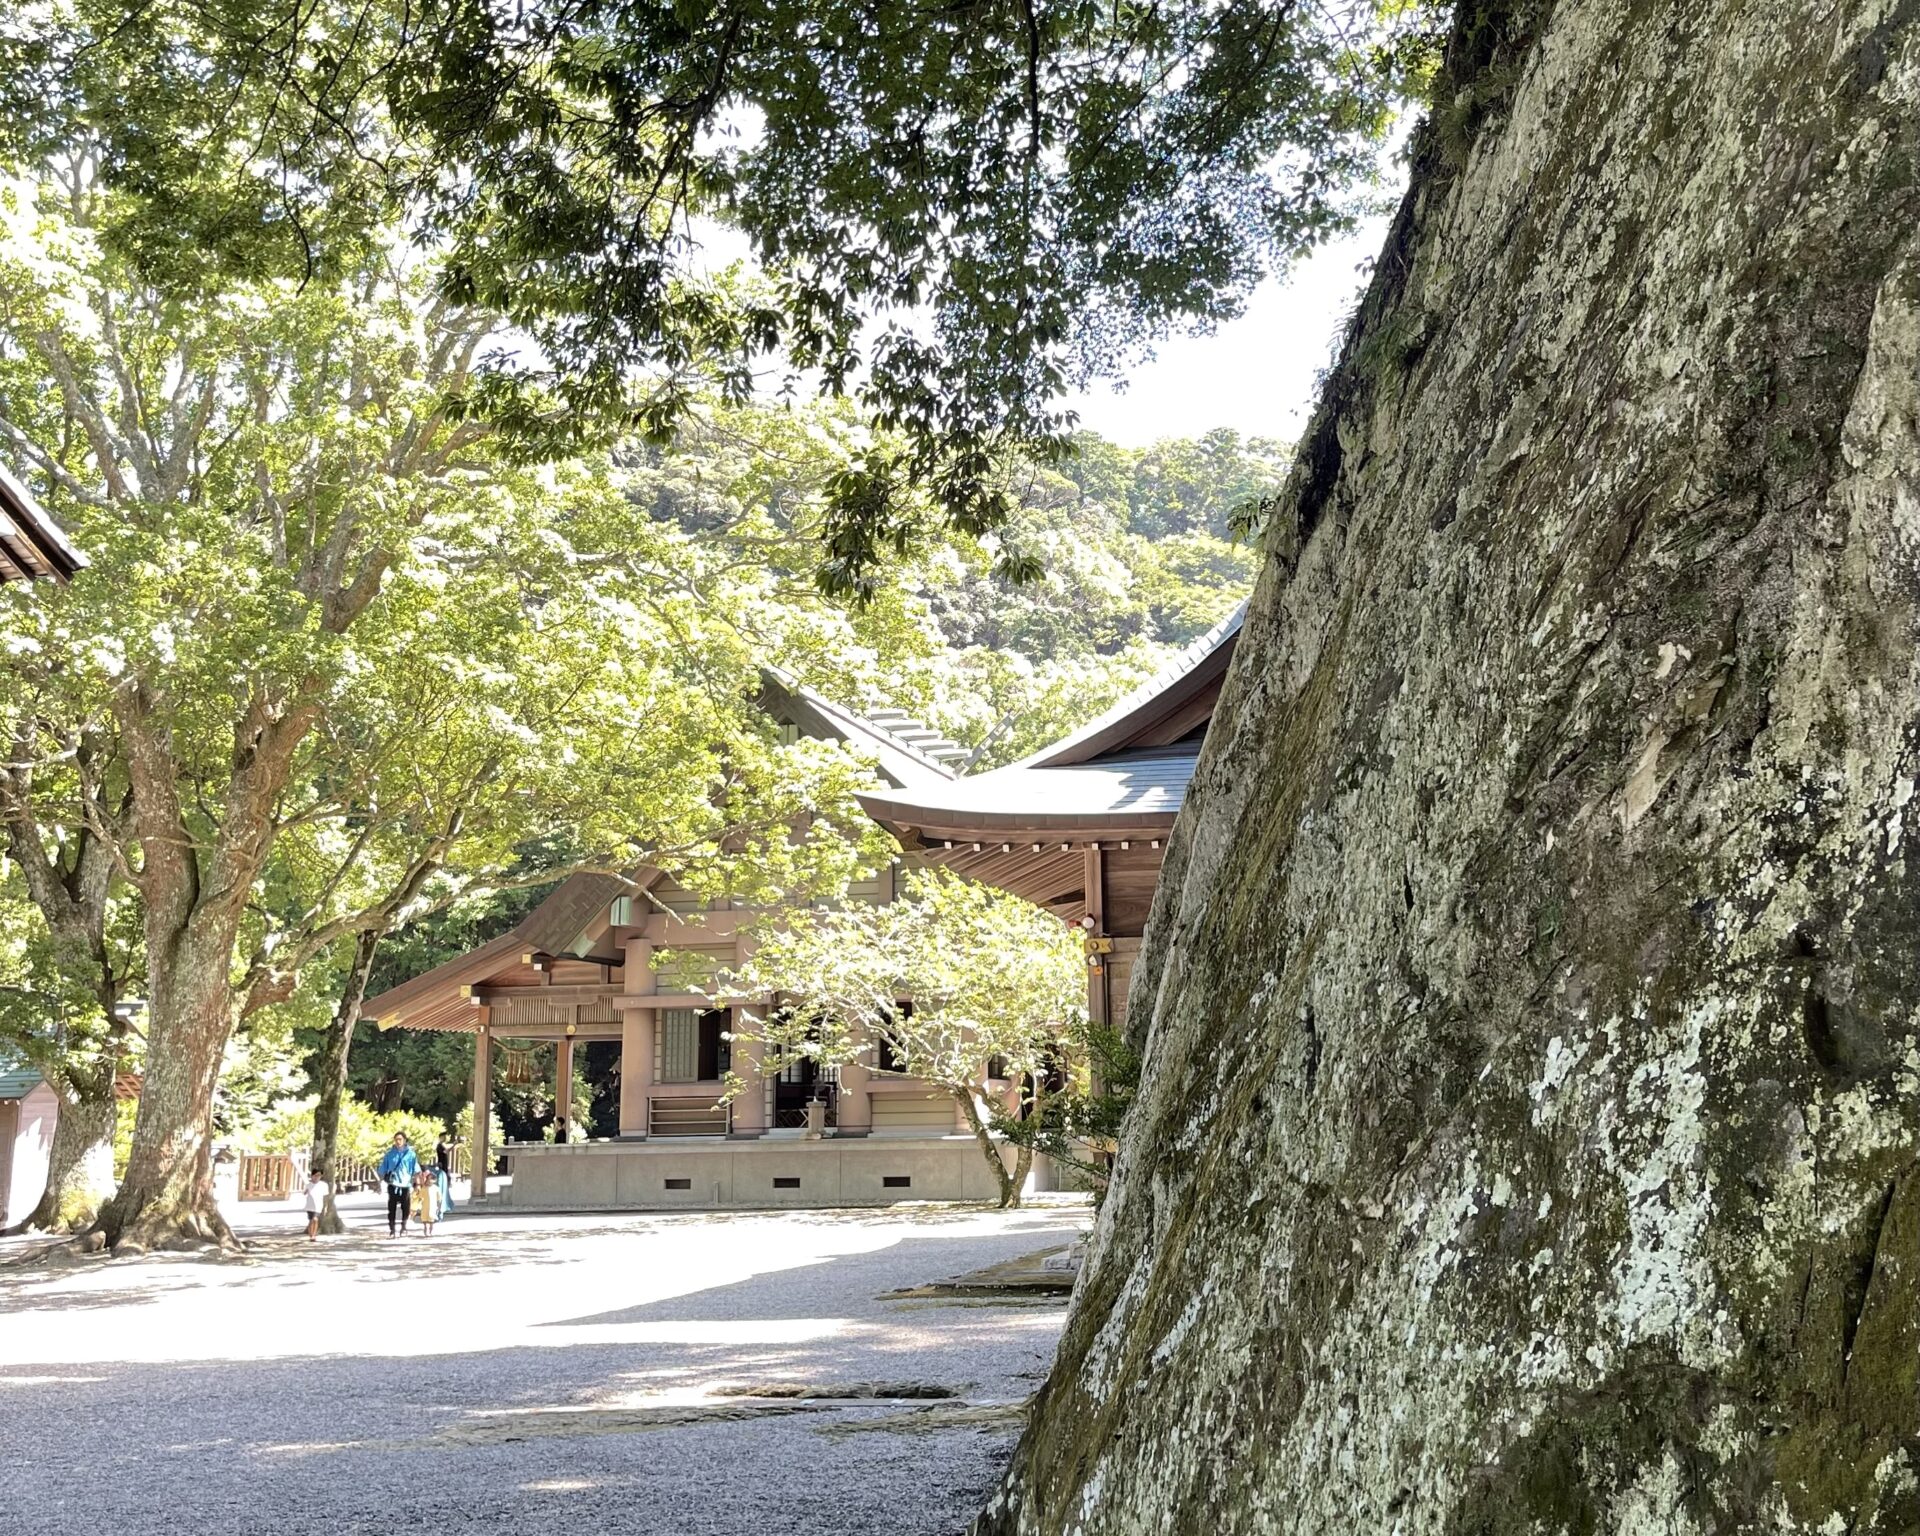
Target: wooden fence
column 282, row 1175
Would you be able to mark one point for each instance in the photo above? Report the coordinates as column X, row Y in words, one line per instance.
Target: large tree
column 344, row 656
column 1528, row 1137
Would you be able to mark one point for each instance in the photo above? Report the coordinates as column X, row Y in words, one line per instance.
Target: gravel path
column 606, row 1374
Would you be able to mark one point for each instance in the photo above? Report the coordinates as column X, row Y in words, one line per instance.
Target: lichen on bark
column 1530, row 1107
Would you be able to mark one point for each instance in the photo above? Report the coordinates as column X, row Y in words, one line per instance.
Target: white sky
column 1255, row 374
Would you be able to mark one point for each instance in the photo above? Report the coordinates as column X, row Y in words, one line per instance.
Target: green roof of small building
column 17, row 1079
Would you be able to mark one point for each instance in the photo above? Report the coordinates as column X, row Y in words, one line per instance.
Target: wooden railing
column 271, row 1175
column 277, row 1176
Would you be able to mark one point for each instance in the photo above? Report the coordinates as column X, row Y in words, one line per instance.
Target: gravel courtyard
column 529, row 1374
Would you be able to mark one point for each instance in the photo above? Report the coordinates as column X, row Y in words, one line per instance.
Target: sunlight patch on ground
column 598, row 1369
column 527, row 1283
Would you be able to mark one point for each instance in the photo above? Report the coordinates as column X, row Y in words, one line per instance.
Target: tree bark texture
column 1008, row 1184
column 331, row 1084
column 166, row 1198
column 194, row 897
column 1527, row 1131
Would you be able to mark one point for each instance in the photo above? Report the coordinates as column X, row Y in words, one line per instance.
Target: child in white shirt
column 316, row 1203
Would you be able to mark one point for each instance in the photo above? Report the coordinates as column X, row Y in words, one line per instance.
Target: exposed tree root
column 129, row 1228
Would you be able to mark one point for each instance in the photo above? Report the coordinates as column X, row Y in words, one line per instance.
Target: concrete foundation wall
column 647, row 1176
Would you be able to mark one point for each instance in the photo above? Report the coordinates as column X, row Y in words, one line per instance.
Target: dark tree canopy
column 958, row 210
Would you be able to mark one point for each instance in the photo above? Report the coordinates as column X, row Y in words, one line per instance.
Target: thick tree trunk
column 1553, row 851
column 82, row 1148
column 332, row 1081
column 166, row 1199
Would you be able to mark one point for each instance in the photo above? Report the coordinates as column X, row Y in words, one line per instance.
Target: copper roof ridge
column 786, row 680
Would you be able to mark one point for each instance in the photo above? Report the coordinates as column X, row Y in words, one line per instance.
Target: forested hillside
column 1131, row 548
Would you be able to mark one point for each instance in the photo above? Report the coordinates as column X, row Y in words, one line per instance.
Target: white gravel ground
column 523, row 1374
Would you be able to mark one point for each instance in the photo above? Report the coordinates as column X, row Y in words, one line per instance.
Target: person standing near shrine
column 397, row 1170
column 426, row 1199
column 443, row 1164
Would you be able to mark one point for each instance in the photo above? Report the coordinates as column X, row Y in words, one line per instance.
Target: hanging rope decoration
column 519, row 1071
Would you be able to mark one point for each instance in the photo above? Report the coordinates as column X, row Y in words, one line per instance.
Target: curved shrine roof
column 1126, row 771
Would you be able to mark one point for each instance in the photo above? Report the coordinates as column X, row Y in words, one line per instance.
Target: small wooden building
column 1080, row 827
column 32, row 545
column 29, row 1115
column 29, row 1110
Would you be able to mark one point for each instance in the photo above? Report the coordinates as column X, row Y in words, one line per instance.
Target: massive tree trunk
column 1527, row 1131
column 195, row 893
column 166, row 1198
column 331, row 1084
column 82, row 1148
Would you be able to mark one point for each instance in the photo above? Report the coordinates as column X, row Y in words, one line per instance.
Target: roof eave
column 37, row 529
column 420, row 993
column 935, row 824
column 1199, row 666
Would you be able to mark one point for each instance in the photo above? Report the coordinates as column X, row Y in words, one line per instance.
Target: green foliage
column 50, row 1014
column 125, row 1111
column 365, row 1133
column 950, row 984
column 340, row 655
column 1079, row 1127
column 989, row 976
column 957, row 210
column 422, row 1070
column 1132, row 567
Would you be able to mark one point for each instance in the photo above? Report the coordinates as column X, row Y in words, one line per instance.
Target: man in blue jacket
column 397, row 1169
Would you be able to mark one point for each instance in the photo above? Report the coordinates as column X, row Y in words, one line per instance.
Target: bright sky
column 1255, row 374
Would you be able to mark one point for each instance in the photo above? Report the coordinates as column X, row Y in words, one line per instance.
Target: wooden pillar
column 1097, row 965
column 482, row 1103
column 636, row 1069
column 563, row 1089
column 853, row 1116
column 636, row 1041
column 750, row 1108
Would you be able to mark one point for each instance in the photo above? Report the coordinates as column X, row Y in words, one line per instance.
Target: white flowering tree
column 950, row 979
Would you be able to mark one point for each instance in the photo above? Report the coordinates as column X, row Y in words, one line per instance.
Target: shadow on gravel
column 42, row 1288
